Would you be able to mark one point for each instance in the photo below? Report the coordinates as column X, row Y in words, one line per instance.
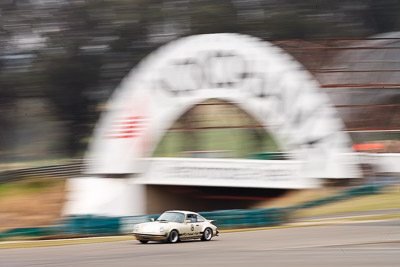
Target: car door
column 199, row 225
column 185, row 228
column 192, row 227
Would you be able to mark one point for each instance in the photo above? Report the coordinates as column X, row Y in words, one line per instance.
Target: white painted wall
column 105, row 196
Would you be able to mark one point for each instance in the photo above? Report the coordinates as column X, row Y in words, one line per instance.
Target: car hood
column 152, row 227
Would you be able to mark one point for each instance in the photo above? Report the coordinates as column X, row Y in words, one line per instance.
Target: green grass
column 377, row 217
column 388, row 200
column 27, row 186
column 238, row 142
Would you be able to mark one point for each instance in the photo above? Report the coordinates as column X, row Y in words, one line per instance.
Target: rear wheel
column 143, row 241
column 173, row 236
column 207, row 235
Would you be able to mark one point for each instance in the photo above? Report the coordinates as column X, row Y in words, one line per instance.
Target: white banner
column 226, row 173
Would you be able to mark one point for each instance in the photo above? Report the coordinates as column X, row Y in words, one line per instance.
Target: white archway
column 260, row 78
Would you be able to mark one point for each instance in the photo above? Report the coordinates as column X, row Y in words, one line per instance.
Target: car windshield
column 172, row 217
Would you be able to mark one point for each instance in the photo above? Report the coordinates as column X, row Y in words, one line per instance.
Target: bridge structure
column 122, row 176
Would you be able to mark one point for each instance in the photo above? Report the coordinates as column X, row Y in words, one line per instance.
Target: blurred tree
column 383, row 16
column 75, row 59
column 208, row 16
column 71, row 81
column 7, row 111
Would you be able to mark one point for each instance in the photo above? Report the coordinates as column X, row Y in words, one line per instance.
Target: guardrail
column 58, row 171
column 226, row 219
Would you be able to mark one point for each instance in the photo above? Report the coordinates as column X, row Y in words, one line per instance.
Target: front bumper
column 154, row 237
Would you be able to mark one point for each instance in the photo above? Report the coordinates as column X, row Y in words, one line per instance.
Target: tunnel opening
column 206, row 198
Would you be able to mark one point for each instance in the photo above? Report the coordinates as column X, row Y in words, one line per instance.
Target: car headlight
column 162, row 229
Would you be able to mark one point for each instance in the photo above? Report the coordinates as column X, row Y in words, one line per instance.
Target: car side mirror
column 188, row 221
column 152, row 219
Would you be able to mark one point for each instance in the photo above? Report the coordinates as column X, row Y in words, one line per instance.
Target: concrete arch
column 260, row 78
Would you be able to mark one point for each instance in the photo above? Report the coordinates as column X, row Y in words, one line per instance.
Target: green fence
column 30, row 232
column 225, row 219
column 228, row 219
column 91, row 225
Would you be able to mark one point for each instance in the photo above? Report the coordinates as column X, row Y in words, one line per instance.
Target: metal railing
column 58, row 171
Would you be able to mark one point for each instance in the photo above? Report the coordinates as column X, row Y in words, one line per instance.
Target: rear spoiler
column 211, row 221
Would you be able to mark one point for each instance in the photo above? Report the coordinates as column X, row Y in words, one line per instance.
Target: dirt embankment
column 31, row 203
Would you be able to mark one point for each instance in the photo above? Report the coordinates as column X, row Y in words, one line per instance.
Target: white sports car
column 175, row 225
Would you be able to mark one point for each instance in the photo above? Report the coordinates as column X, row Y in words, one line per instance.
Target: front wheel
column 173, row 236
column 143, row 241
column 207, row 235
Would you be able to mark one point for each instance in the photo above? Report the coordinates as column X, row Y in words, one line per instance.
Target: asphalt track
column 356, row 244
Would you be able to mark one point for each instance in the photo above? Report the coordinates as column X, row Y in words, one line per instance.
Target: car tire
column 143, row 241
column 173, row 236
column 207, row 234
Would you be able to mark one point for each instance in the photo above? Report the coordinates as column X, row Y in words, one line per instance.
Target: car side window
column 191, row 217
column 200, row 219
